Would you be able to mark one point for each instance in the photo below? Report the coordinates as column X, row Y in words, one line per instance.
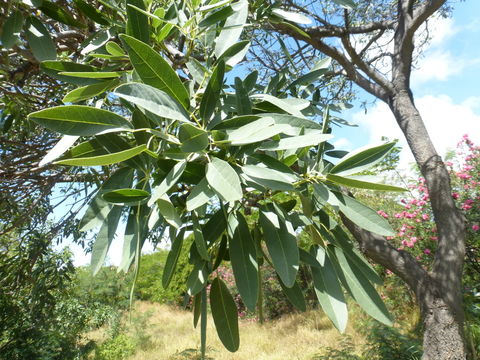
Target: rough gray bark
column 438, row 292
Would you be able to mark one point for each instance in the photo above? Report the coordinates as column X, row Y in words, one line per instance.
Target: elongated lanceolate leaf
column 292, row 106
column 244, row 263
column 270, row 178
column 98, row 209
column 59, row 149
column 347, row 4
column 256, row 131
column 169, row 181
column 153, row 100
column 126, row 196
column 93, row 74
column 235, row 53
column 192, row 138
column 294, row 295
column 197, row 279
column 362, row 290
column 233, row 27
column 39, row 40
column 362, row 215
column 224, row 312
column 54, row 68
column 362, row 159
column 211, row 95
column 137, row 22
column 295, row 142
column 198, row 238
column 89, row 91
column 107, row 159
column 11, row 29
column 91, row 12
column 58, row 13
column 154, row 70
column 135, row 234
column 104, row 239
column 200, row 195
column 216, row 17
column 361, row 183
column 282, row 246
column 328, row 290
column 292, row 16
column 224, row 180
column 78, row 120
column 168, row 211
column 172, row 259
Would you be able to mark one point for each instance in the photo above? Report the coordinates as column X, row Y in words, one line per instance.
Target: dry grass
column 293, row 337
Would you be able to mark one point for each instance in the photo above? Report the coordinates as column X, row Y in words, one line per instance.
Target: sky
column 446, row 89
column 445, row 84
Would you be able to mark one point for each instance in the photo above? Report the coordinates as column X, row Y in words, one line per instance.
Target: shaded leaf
column 39, row 40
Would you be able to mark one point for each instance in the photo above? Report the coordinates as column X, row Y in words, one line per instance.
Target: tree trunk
column 438, row 293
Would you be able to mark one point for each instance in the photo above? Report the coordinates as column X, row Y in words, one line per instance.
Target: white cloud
column 445, row 120
column 437, row 65
column 343, row 143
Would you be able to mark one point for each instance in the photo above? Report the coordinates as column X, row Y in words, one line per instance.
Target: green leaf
column 98, row 209
column 193, row 139
column 295, row 142
column 294, row 122
column 93, row 74
column 59, row 149
column 354, row 255
column 153, row 100
column 155, row 71
column 282, row 245
column 224, row 314
column 54, row 68
column 347, row 4
column 308, row 78
column 104, row 239
column 39, row 40
column 89, row 91
column 199, row 196
column 114, row 49
column 244, row 263
column 212, row 92
column 361, row 290
column 91, row 12
column 107, row 159
column 135, row 234
column 255, row 131
column 172, row 259
column 11, row 29
column 291, row 106
column 57, row 13
column 216, row 17
column 362, row 184
column 224, row 180
column 233, row 27
column 170, row 180
column 235, row 53
column 214, row 227
column 244, row 107
column 362, row 215
column 270, row 178
column 197, row 70
column 78, row 120
column 294, row 295
column 137, row 22
column 126, row 196
column 292, row 16
column 198, row 238
column 197, row 279
column 168, row 211
column 362, row 159
column 328, row 290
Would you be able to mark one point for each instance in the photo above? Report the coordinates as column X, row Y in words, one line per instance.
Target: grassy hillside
column 167, row 333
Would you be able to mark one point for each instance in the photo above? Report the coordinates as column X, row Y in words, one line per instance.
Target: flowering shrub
column 416, row 233
column 416, row 228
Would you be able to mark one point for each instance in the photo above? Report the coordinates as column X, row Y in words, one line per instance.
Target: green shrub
column 118, row 348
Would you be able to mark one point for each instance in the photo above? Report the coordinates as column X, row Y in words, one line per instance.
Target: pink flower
column 425, row 217
column 434, row 238
column 455, row 195
column 448, row 163
column 475, row 227
column 414, row 239
column 427, row 251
